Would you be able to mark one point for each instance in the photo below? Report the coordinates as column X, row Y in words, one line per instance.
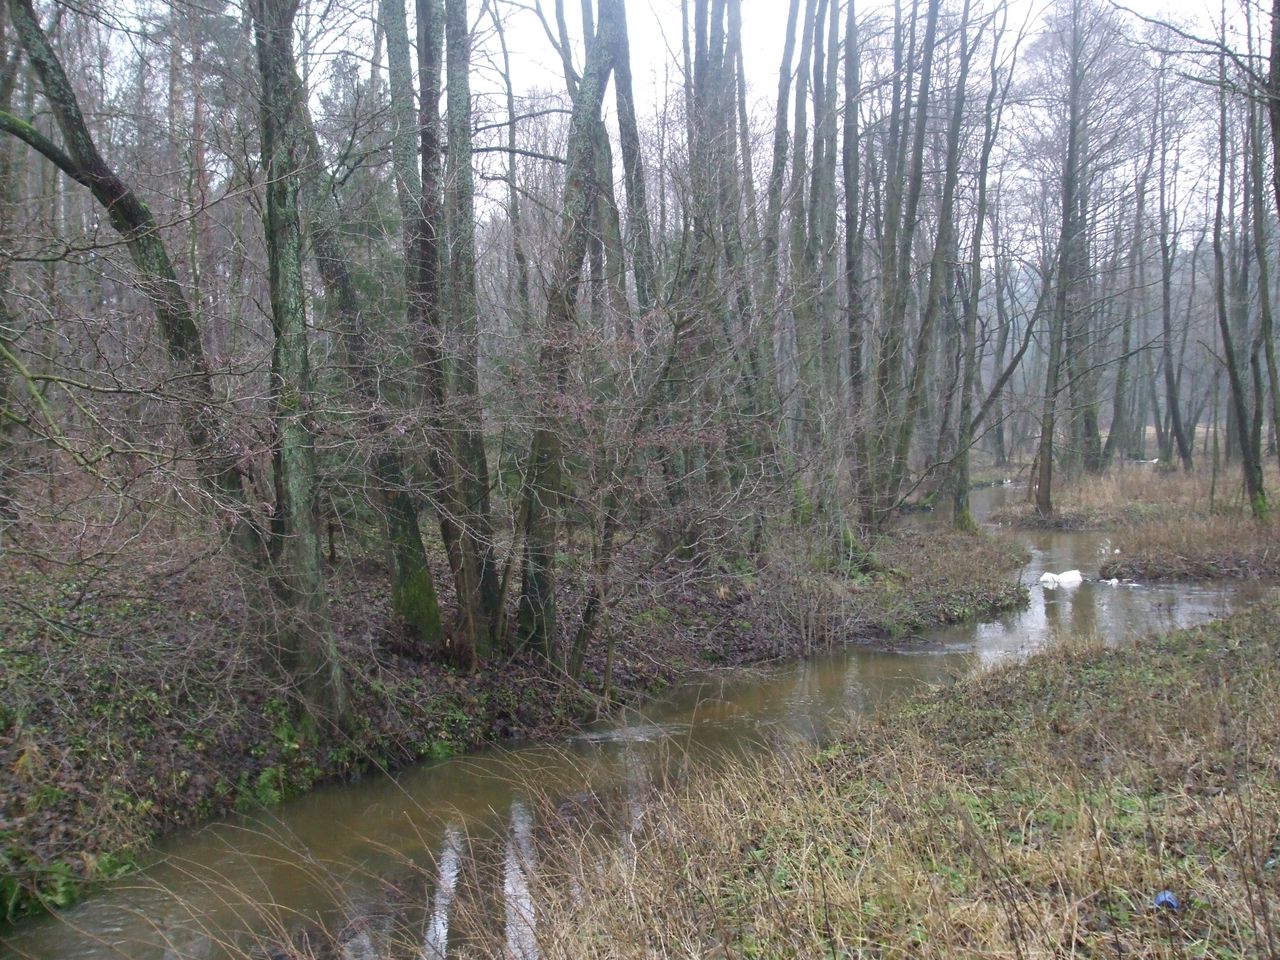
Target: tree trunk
column 1251, row 459
column 961, row 515
column 8, row 321
column 309, row 647
column 944, row 242
column 481, row 597
column 543, row 485
column 1168, row 248
column 1266, row 324
column 633, row 171
column 856, row 319
column 413, row 592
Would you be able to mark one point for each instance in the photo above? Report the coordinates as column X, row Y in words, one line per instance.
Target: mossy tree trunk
column 467, row 540
column 479, row 593
column 308, row 646
column 413, row 592
column 9, row 417
column 1265, row 340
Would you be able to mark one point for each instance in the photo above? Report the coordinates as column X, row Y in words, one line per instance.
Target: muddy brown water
column 388, row 857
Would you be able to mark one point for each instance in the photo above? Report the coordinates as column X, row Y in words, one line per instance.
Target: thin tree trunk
column 1168, row 250
column 524, row 303
column 633, row 171
column 777, row 177
column 9, row 417
column 962, row 517
column 855, row 233
column 799, row 403
column 1250, row 458
column 914, row 399
column 1068, row 256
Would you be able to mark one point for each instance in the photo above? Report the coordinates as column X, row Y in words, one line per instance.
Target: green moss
column 414, row 598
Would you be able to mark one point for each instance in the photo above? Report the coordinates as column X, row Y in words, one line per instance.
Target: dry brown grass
column 1136, row 492
column 1032, row 812
column 1196, row 547
column 1167, row 525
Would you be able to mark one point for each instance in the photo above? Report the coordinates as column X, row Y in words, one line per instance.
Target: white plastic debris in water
column 1114, row 581
column 1067, row 579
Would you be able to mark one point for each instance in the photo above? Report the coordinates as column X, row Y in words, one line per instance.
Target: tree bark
column 309, row 647
column 543, row 485
column 480, row 598
column 961, row 515
column 1251, row 460
column 633, row 171
column 413, row 592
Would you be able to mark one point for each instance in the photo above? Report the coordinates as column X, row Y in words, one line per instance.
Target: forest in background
column 289, row 285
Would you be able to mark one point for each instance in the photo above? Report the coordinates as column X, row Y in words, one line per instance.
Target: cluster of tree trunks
column 962, row 241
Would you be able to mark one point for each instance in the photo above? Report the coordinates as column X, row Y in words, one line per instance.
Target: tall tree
column 1247, row 438
column 544, row 481
column 413, row 592
column 478, row 586
column 308, row 646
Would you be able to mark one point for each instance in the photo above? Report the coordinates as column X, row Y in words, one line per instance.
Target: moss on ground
column 1036, row 810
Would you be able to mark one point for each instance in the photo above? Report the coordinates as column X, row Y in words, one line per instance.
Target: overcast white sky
column 655, row 26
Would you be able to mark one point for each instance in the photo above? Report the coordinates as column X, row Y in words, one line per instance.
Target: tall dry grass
column 1033, row 812
column 1168, row 524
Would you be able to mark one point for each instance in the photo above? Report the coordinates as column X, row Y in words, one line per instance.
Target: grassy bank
column 1032, row 811
column 1165, row 524
column 135, row 703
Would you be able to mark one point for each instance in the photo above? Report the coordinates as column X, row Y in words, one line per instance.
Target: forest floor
column 134, row 702
column 1165, row 525
column 1090, row 801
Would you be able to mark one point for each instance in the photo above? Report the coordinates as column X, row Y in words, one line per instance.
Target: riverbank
column 1090, row 801
column 133, row 705
column 1164, row 525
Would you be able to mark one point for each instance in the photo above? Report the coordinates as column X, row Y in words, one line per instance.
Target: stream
column 389, row 851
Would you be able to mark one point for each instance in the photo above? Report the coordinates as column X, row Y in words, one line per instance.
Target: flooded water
column 390, row 856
